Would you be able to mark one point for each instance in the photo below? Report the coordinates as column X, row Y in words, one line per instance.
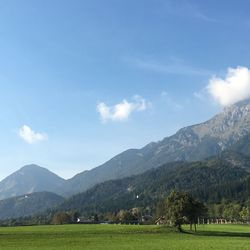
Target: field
column 124, row 237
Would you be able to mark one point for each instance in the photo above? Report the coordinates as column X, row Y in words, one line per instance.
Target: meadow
column 124, row 237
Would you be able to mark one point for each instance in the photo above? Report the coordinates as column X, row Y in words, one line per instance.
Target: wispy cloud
column 30, row 136
column 194, row 11
column 186, row 8
column 122, row 110
column 174, row 66
column 233, row 88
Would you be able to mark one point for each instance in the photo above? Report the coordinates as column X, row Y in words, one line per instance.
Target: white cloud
column 29, row 136
column 234, row 88
column 122, row 110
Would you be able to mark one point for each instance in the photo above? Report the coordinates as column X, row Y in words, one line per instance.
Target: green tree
column 232, row 211
column 96, row 218
column 126, row 217
column 181, row 207
column 61, row 218
column 245, row 214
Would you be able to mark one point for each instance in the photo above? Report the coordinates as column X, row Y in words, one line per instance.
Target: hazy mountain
column 29, row 179
column 30, row 204
column 196, row 177
column 188, row 144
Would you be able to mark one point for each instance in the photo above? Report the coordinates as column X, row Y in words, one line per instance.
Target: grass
column 124, row 237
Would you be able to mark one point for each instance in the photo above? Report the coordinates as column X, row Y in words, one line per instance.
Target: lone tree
column 61, row 218
column 180, row 208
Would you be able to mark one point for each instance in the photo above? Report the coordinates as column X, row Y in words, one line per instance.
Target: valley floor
column 124, row 237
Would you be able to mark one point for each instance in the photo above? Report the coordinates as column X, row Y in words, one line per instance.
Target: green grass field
column 124, row 237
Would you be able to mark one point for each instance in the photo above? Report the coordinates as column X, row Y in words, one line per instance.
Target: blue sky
column 147, row 63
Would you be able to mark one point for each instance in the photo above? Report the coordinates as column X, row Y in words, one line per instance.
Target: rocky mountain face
column 29, row 179
column 188, row 144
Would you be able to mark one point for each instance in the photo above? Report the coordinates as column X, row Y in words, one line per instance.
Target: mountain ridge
column 146, row 189
column 191, row 143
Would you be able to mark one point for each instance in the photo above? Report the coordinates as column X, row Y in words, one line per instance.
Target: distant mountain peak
column 32, row 167
column 28, row 179
column 35, row 168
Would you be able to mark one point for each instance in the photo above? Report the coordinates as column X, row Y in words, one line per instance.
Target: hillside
column 192, row 143
column 30, row 204
column 29, row 179
column 149, row 187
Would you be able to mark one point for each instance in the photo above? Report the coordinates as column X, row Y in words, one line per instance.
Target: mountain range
column 191, row 143
column 229, row 131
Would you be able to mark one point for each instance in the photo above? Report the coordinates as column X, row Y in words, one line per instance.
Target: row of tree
column 229, row 211
column 177, row 209
column 181, row 208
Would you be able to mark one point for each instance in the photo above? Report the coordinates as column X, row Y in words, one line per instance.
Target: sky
column 83, row 80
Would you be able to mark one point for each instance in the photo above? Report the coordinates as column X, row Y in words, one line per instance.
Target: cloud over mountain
column 234, row 88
